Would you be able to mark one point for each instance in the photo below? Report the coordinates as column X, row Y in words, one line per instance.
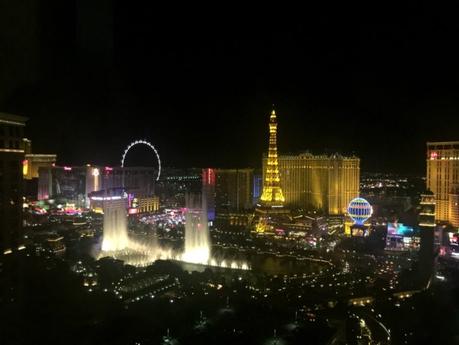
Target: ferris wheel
column 150, row 145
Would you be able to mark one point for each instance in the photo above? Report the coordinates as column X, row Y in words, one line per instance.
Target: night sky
column 377, row 82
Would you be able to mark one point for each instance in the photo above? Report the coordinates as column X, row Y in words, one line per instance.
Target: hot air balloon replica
column 359, row 211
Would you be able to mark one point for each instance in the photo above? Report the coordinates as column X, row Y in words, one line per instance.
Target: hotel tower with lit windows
column 318, row 182
column 427, row 234
column 12, row 147
column 443, row 179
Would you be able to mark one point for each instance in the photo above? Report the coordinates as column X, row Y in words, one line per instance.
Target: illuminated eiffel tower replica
column 270, row 210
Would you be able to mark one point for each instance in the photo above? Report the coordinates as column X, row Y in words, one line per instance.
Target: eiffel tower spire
column 272, row 191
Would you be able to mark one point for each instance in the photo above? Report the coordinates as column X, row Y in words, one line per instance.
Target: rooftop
column 13, row 119
column 442, row 143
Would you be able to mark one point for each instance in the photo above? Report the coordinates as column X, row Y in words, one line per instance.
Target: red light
column 67, row 168
column 108, row 169
column 433, row 155
column 133, row 211
column 208, row 176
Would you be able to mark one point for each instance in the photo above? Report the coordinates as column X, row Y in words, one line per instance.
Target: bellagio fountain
column 116, row 242
column 197, row 239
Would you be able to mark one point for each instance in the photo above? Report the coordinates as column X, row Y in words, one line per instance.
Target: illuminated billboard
column 453, row 238
column 399, row 229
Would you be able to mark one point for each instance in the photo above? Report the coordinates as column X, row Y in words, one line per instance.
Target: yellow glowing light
column 199, row 255
column 25, row 167
column 12, row 150
column 272, row 192
column 96, row 173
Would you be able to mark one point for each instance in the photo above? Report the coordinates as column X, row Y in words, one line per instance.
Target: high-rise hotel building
column 322, row 182
column 427, row 228
column 234, row 190
column 229, row 195
column 11, row 182
column 443, row 179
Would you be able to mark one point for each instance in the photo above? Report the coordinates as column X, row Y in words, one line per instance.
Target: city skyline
column 144, row 157
column 216, row 176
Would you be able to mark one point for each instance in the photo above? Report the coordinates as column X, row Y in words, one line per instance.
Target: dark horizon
column 201, row 89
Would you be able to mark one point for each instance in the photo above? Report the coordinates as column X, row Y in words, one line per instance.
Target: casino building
column 318, row 182
column 74, row 184
column 443, row 179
